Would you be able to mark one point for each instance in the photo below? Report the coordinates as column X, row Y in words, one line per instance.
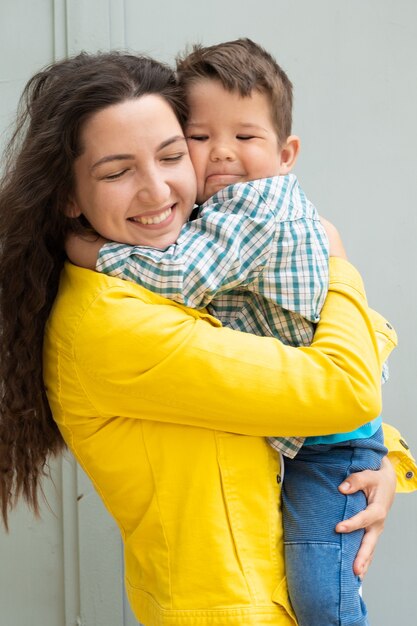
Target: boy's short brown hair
column 242, row 66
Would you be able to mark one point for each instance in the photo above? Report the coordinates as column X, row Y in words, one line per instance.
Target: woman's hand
column 379, row 489
column 336, row 247
column 83, row 250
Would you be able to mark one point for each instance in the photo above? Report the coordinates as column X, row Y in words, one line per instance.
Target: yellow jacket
column 147, row 395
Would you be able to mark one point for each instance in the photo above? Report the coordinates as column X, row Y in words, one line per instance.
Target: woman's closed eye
column 173, row 158
column 115, row 175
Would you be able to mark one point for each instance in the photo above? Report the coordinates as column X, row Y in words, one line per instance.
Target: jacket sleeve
column 164, row 362
column 401, row 458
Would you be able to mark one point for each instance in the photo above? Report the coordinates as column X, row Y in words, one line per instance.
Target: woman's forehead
column 148, row 120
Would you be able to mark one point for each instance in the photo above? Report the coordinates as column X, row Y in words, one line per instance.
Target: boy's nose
column 222, row 152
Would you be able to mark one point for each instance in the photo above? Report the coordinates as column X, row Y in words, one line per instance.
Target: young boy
column 257, row 257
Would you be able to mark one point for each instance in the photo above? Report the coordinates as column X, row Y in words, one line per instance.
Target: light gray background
column 354, row 68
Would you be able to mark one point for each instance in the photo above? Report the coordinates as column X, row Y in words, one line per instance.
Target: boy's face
column 231, row 138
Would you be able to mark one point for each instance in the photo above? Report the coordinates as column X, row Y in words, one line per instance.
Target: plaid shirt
column 256, row 257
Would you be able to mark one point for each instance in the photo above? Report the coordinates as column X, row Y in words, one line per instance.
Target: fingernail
column 345, row 486
column 342, row 528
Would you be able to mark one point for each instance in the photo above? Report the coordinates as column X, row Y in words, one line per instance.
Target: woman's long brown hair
column 34, row 192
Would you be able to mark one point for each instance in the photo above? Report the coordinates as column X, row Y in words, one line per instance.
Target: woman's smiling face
column 134, row 181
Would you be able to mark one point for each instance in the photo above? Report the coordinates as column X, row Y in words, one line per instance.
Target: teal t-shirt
column 364, row 432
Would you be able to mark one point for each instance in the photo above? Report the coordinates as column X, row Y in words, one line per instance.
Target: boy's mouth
column 223, row 178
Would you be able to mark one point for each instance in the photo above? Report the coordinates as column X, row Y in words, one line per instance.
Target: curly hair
column 34, row 192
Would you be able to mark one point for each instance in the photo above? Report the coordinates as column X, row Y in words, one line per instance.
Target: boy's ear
column 72, row 209
column 289, row 154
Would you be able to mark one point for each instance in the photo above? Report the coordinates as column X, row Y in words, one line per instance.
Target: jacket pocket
column 280, row 596
column 248, row 471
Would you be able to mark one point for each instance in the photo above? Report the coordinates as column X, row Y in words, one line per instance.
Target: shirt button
column 388, row 325
column 409, row 475
column 404, row 445
column 278, row 479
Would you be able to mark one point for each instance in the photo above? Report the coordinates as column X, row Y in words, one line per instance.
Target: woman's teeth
column 153, row 219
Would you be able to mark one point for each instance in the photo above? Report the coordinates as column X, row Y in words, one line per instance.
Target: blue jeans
column 323, row 589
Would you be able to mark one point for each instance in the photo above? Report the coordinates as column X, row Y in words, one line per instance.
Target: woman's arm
column 145, row 357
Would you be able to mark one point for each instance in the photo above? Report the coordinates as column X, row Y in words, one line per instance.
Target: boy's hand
column 379, row 488
column 83, row 250
column 335, row 242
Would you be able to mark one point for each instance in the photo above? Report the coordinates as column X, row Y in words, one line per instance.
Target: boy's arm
column 297, row 276
column 224, row 248
column 83, row 250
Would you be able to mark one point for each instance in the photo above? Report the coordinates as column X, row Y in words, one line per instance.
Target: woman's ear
column 72, row 209
column 289, row 154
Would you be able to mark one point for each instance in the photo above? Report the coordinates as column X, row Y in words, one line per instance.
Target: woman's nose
column 153, row 189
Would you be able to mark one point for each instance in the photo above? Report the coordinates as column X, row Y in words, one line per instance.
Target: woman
column 136, row 384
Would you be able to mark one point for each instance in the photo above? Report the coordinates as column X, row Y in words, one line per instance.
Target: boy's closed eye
column 198, row 137
column 205, row 137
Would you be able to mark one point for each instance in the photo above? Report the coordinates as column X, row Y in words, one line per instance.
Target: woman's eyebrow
column 113, row 157
column 171, row 140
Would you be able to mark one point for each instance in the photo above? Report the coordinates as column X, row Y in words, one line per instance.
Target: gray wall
column 353, row 64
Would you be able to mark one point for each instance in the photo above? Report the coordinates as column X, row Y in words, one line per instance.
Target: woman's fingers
column 366, row 552
column 372, row 519
column 379, row 489
column 378, row 486
column 373, row 515
column 360, row 481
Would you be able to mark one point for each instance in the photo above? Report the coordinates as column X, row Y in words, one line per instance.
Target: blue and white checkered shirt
column 256, row 257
